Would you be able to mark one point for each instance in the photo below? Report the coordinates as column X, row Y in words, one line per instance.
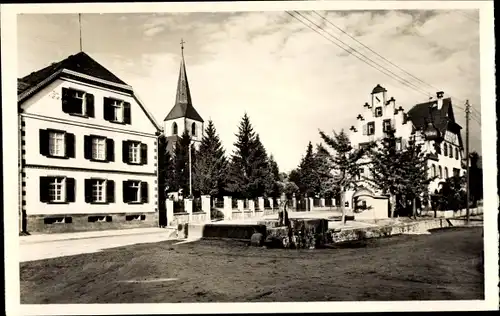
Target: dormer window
column 378, row 111
column 77, row 102
column 116, row 111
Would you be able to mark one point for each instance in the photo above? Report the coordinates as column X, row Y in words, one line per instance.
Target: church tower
column 183, row 116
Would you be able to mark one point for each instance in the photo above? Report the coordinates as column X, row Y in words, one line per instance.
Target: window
column 57, row 189
column 433, row 170
column 445, row 149
column 134, row 152
column 440, row 172
column 193, row 129
column 378, row 111
column 116, row 111
column 135, row 192
column 387, row 125
column 370, row 128
column 99, row 191
column 77, row 102
column 174, row 128
column 57, row 144
column 451, row 151
column 399, row 144
column 457, row 155
column 99, row 148
column 446, row 172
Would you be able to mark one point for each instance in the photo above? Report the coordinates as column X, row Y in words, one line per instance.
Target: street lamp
column 190, row 172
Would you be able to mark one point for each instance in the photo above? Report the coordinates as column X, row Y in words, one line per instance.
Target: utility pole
column 467, row 112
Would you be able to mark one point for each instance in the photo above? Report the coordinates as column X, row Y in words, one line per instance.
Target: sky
column 290, row 80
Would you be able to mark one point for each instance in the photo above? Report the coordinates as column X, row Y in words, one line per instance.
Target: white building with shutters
column 431, row 124
column 88, row 150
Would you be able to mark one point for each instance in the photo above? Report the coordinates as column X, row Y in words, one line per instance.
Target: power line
column 382, row 69
column 382, row 57
column 371, row 50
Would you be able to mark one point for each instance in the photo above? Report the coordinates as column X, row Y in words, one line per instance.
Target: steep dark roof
column 183, row 105
column 81, row 63
column 378, row 88
column 443, row 119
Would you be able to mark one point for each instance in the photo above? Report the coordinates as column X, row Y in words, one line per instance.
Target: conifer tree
column 260, row 180
column 181, row 162
column 165, row 171
column 323, row 167
column 239, row 168
column 275, row 189
column 345, row 163
column 386, row 164
column 211, row 164
column 308, row 181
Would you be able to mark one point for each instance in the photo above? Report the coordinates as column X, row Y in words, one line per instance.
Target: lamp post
column 190, row 173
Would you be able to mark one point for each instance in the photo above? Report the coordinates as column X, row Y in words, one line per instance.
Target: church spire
column 183, row 95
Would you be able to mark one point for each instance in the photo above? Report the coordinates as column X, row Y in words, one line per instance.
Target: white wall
column 182, row 125
column 33, row 156
column 35, row 207
column 47, row 102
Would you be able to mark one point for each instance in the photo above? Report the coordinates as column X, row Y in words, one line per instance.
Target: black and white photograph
column 315, row 152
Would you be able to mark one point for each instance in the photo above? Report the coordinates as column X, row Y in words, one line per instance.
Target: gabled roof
column 80, row 63
column 183, row 105
column 443, row 119
column 81, row 67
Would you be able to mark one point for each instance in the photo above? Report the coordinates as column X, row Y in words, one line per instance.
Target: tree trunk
column 342, row 206
column 414, row 206
column 392, row 201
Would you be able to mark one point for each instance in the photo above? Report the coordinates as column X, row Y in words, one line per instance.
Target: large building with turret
column 431, row 124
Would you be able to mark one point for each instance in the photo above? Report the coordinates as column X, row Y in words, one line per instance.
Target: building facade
column 432, row 124
column 88, row 150
column 183, row 116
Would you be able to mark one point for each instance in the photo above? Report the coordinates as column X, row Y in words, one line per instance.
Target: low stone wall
column 452, row 214
column 183, row 218
column 227, row 231
column 68, row 223
column 418, row 227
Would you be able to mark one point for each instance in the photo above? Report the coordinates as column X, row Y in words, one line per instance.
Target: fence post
column 261, row 204
column 228, row 207
column 188, row 207
column 169, row 204
column 322, row 202
column 206, row 207
column 333, row 203
column 294, row 203
column 311, row 204
column 251, row 206
column 271, row 203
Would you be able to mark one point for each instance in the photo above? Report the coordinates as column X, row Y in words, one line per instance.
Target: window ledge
column 79, row 115
column 133, row 203
column 98, row 160
column 56, row 202
column 117, row 122
column 97, row 203
column 57, row 157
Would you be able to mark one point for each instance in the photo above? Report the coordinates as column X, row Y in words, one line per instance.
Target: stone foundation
column 67, row 223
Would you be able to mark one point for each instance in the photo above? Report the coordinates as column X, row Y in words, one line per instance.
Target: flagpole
column 80, row 27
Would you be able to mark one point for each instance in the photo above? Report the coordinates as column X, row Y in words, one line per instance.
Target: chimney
column 439, row 96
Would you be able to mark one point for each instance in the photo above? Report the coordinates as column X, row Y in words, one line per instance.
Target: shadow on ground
column 439, row 266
